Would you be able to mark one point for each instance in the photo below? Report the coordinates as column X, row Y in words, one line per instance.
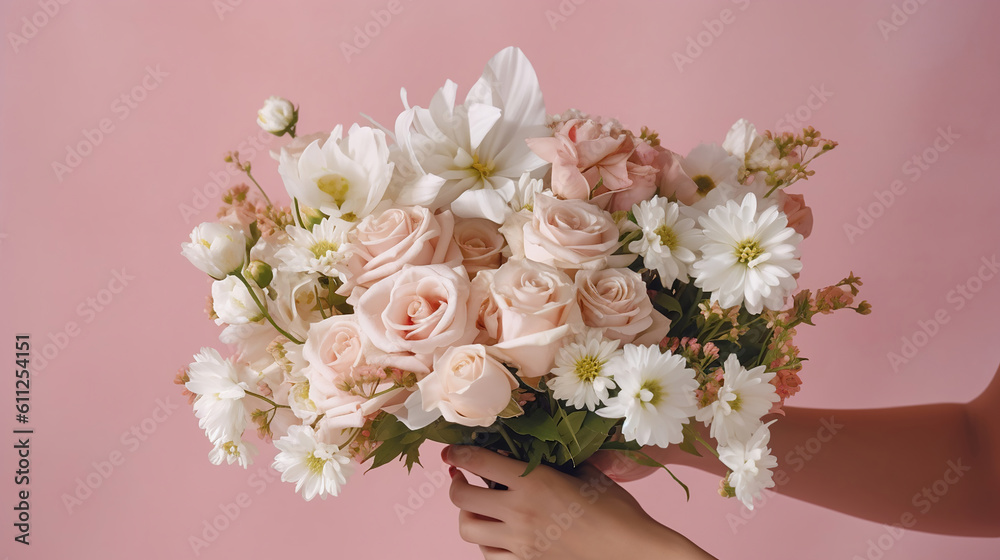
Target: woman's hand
column 552, row 515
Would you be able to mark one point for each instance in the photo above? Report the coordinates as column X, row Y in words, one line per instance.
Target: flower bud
column 260, row 272
column 278, row 116
column 216, row 249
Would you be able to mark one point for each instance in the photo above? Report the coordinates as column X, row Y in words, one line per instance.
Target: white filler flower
column 750, row 463
column 745, row 396
column 277, row 116
column 748, row 257
column 237, row 451
column 656, row 397
column 219, row 406
column 233, row 303
column 582, row 378
column 316, row 468
column 669, row 242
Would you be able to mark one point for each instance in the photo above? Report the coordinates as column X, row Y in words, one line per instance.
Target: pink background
column 121, row 208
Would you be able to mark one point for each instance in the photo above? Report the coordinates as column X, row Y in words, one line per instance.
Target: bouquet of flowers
column 488, row 274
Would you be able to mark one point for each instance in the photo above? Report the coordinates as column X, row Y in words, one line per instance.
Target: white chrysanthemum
column 748, row 257
column 581, row 377
column 745, row 396
column 319, row 250
column 316, row 468
column 340, row 176
column 216, row 249
column 237, row 451
column 219, row 406
column 669, row 242
column 470, row 155
column 710, row 166
column 750, row 463
column 656, row 396
column 232, row 302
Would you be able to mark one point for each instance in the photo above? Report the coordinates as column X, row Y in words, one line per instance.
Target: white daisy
column 342, row 177
column 710, row 166
column 745, row 396
column 237, row 451
column 315, row 467
column 656, row 396
column 750, row 463
column 219, row 406
column 319, row 250
column 581, row 376
column 669, row 242
column 747, row 257
column 471, row 155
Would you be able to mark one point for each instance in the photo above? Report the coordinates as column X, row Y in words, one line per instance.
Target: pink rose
column 800, row 216
column 535, row 309
column 418, row 310
column 569, row 234
column 333, row 350
column 614, row 299
column 582, row 152
column 467, row 386
column 481, row 244
column 382, row 244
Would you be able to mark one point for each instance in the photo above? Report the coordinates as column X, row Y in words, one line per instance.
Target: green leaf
column 535, row 424
column 690, row 438
column 387, row 427
column 513, row 409
column 591, row 436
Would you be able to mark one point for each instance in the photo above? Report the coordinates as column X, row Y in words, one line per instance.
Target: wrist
column 658, row 541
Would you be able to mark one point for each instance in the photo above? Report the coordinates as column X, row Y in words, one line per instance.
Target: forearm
column 932, row 462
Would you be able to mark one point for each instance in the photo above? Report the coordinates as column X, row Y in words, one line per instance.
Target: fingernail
column 453, row 472
column 444, row 453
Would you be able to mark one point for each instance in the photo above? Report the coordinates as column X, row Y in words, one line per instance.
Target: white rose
column 277, row 116
column 233, row 303
column 216, row 249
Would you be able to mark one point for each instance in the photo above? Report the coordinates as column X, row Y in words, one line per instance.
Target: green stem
column 267, row 400
column 295, row 202
column 261, row 189
column 510, row 442
column 263, row 309
column 701, row 440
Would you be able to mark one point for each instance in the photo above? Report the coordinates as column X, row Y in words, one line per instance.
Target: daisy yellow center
column 588, row 367
column 668, row 238
column 650, row 392
column 484, row 168
column 334, row 185
column 321, row 248
column 315, row 464
column 231, row 449
column 737, row 403
column 705, row 184
column 748, row 250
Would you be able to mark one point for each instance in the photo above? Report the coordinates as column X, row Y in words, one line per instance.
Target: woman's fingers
column 483, row 501
column 477, row 529
column 485, row 463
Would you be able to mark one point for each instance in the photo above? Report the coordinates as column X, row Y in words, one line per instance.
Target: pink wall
column 887, row 96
